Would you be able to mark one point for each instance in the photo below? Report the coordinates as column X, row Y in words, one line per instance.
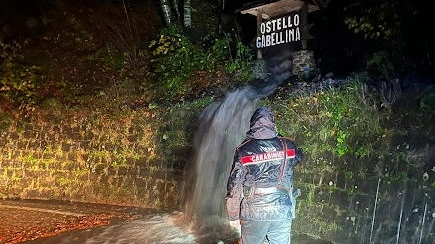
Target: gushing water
column 222, row 126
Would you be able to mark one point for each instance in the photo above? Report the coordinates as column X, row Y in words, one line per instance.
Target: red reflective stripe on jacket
column 267, row 156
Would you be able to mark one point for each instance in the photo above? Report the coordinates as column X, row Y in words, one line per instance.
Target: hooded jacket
column 260, row 183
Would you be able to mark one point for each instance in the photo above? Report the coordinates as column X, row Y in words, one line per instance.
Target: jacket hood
column 262, row 124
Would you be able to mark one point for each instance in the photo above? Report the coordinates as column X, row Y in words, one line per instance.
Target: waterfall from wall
column 222, row 126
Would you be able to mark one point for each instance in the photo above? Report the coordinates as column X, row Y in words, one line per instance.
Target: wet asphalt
column 25, row 219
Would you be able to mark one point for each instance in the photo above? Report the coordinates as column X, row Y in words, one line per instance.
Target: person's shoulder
column 244, row 142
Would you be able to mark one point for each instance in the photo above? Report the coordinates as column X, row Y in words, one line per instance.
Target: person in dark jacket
column 259, row 190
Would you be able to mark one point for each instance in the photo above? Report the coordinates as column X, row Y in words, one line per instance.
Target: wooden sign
column 279, row 31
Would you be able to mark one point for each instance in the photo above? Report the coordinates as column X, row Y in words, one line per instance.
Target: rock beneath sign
column 259, row 70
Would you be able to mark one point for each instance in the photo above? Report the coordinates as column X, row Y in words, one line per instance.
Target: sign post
column 281, row 22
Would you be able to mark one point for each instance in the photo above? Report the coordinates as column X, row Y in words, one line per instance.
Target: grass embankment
column 88, row 119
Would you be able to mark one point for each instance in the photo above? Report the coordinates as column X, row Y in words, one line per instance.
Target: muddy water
column 223, row 125
column 159, row 228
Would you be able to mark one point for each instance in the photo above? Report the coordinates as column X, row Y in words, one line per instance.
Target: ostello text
column 276, row 25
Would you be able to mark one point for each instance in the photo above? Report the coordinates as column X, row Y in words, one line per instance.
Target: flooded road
column 156, row 229
column 150, row 229
column 23, row 220
column 54, row 222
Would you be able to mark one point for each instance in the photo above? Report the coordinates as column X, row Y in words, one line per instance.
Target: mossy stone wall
column 354, row 187
column 303, row 62
column 91, row 156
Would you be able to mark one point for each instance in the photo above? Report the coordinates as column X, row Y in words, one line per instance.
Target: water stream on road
column 222, row 126
column 159, row 228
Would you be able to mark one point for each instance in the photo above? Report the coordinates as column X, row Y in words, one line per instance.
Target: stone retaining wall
column 84, row 155
column 303, row 62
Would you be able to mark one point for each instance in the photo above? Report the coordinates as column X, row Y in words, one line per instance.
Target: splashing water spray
column 222, row 126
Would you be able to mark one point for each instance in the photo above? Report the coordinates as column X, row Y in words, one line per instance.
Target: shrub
column 18, row 81
column 176, row 58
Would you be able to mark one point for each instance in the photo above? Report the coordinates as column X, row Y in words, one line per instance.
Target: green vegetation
column 115, row 120
column 177, row 59
column 18, row 80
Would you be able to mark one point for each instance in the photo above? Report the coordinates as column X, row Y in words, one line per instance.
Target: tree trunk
column 176, row 5
column 187, row 14
column 166, row 9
